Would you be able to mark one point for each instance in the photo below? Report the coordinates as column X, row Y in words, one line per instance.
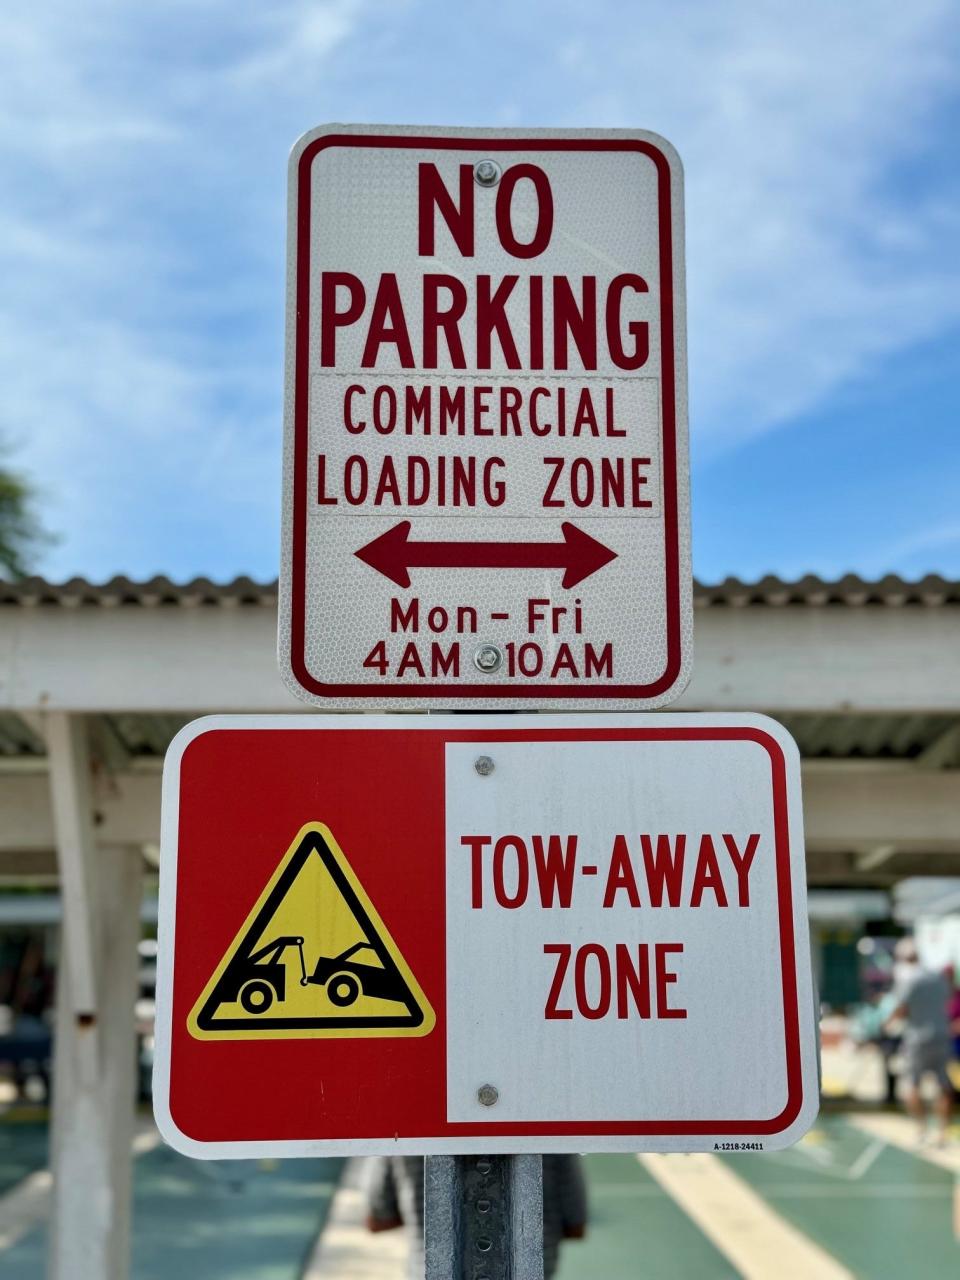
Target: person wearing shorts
column 922, row 1000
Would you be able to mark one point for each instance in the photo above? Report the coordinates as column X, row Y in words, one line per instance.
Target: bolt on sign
column 485, row 477
column 460, row 934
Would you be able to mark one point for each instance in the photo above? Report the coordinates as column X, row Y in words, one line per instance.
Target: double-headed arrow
column 393, row 555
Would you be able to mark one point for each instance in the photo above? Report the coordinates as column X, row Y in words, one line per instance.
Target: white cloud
column 142, row 151
column 52, row 100
column 810, row 261
column 145, row 427
column 913, row 550
column 292, row 40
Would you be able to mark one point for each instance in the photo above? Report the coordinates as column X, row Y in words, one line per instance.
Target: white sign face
column 639, row 900
column 539, row 934
column 485, row 475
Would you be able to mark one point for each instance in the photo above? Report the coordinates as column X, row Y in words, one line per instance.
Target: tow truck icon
column 259, row 979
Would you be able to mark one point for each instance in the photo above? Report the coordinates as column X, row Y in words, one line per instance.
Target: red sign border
column 298, row 662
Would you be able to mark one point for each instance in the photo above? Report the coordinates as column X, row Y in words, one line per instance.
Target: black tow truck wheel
column 256, row 996
column 343, row 989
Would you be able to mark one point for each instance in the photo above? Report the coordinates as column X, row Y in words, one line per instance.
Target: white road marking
column 148, row 1139
column 802, row 1157
column 23, row 1207
column 866, row 1159
column 28, row 1203
column 345, row 1249
column 857, row 1191
column 821, row 1155
column 755, row 1238
column 898, row 1131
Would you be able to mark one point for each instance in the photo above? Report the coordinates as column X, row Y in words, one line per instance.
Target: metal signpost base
column 483, row 1217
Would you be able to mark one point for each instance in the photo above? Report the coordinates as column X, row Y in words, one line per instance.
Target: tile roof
column 151, row 592
column 848, row 590
column 731, row 593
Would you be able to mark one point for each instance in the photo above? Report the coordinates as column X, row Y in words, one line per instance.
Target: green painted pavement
column 883, row 1213
column 236, row 1220
column 23, row 1150
column 637, row 1232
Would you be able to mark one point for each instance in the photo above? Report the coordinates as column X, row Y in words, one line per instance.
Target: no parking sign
column 485, row 472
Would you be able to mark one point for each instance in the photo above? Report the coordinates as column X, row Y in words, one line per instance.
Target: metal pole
column 483, row 1217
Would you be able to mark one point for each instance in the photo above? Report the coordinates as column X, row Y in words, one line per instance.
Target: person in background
column 564, row 1207
column 922, row 998
column 953, row 1012
column 395, row 1198
column 869, row 1027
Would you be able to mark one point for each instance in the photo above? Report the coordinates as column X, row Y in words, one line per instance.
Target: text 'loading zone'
column 486, row 441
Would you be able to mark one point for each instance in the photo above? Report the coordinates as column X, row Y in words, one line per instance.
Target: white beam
column 915, row 810
column 840, row 658
column 175, row 659
column 847, row 806
column 873, row 858
column 162, row 659
column 127, row 811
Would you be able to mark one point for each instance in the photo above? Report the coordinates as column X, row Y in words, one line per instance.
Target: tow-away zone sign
column 465, row 934
column 485, row 475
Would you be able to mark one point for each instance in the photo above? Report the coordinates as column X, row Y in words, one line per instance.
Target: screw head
column 484, row 1166
column 488, row 658
column 484, row 1244
column 484, row 766
column 486, row 173
column 487, row 1095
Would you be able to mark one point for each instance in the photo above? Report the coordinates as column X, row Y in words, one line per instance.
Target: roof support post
column 69, row 755
column 94, row 1091
column 94, row 1068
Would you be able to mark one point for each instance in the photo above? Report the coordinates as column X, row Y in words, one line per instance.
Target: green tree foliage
column 22, row 536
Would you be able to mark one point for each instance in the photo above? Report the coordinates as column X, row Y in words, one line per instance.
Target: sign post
column 485, row 440
column 483, row 1217
column 462, row 935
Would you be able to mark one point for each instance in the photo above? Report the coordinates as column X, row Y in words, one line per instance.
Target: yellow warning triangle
column 313, row 958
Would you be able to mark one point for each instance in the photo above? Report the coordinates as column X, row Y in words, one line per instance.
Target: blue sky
column 142, row 220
